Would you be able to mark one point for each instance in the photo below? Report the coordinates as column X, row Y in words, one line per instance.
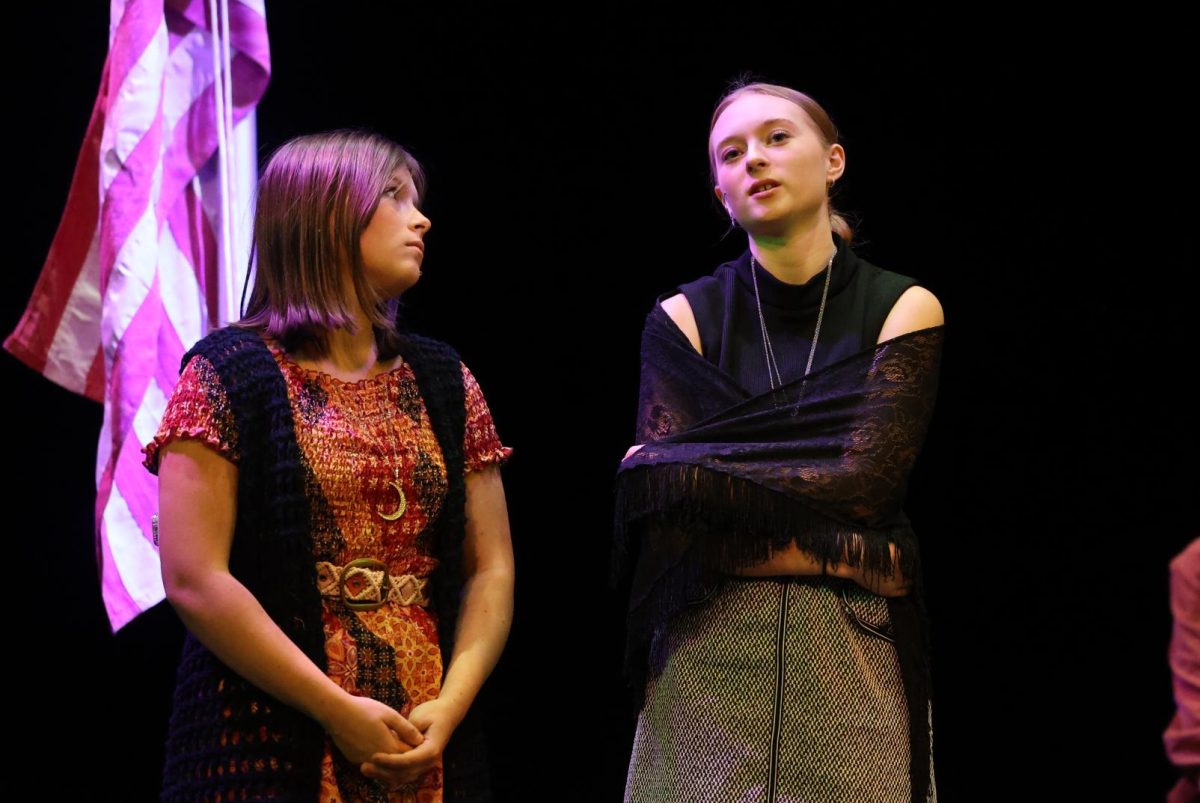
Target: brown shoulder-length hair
column 820, row 118
column 315, row 196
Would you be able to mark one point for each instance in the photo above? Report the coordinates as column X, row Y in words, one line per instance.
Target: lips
column 417, row 244
column 763, row 185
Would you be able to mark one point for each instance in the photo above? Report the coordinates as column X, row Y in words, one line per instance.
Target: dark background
column 1031, row 172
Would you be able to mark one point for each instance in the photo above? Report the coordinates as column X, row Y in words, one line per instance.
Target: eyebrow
column 764, row 124
column 401, row 185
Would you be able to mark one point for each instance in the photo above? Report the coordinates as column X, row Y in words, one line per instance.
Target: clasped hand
column 434, row 722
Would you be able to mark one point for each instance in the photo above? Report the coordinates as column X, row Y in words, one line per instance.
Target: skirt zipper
column 777, row 718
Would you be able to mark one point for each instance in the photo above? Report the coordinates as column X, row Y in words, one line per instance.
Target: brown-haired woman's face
column 772, row 168
column 393, row 243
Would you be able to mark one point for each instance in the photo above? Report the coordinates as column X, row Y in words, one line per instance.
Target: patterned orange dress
column 381, row 478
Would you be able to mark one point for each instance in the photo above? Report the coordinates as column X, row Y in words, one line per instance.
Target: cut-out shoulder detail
column 680, row 311
column 915, row 309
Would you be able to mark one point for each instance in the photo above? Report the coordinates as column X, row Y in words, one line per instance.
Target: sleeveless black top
column 860, row 297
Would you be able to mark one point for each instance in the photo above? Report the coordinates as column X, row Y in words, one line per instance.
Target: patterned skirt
column 780, row 690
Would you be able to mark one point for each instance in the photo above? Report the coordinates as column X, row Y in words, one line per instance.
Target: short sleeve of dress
column 198, row 409
column 481, row 446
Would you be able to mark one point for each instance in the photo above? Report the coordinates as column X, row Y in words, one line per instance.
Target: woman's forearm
column 229, row 621
column 485, row 614
column 484, row 620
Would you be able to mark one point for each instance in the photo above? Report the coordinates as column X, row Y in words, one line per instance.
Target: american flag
column 156, row 216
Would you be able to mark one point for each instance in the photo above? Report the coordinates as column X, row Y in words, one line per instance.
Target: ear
column 720, row 197
column 837, row 163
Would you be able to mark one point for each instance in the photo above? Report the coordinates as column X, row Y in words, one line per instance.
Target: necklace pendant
column 399, row 511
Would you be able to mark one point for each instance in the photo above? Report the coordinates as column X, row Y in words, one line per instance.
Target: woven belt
column 364, row 585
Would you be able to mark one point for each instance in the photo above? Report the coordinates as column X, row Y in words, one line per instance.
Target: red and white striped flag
column 155, row 218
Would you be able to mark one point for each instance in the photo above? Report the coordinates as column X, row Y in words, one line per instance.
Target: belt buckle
column 370, row 592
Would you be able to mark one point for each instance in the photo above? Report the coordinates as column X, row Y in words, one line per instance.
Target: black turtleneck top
column 860, row 298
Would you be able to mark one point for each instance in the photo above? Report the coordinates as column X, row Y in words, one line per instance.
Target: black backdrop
column 1031, row 173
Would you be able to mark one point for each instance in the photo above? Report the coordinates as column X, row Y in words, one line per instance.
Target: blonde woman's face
column 772, row 168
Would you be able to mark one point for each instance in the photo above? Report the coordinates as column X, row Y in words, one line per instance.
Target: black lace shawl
column 725, row 478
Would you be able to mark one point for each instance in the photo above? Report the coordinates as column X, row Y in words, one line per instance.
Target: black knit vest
column 272, row 555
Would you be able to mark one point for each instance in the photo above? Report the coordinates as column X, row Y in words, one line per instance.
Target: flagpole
column 222, row 93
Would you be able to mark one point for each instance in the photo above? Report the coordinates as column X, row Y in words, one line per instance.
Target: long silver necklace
column 773, row 374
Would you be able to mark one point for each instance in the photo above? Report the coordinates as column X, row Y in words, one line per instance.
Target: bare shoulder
column 680, row 311
column 915, row 309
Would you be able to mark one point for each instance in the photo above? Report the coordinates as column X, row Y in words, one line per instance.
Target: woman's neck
column 349, row 356
column 352, row 351
column 798, row 256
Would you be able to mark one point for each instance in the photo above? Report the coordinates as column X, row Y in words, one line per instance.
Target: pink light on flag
column 149, row 247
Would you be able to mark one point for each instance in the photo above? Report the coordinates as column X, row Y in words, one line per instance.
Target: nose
column 755, row 158
column 420, row 222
